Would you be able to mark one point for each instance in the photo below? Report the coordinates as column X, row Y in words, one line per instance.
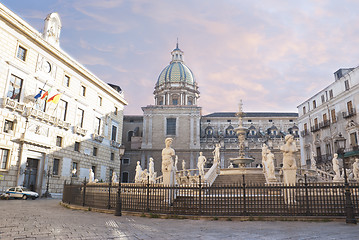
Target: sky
column 272, row 54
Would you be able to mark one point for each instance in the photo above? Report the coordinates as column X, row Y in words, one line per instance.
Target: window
column 83, row 91
column 110, row 174
column 208, row 120
column 316, row 123
column 175, row 101
column 59, row 141
column 55, row 167
column 62, row 110
column 125, row 177
column 290, row 120
column 4, row 158
column 331, row 94
column 350, row 107
column 126, row 161
column 80, row 117
column 21, row 53
column 116, row 111
column 328, row 149
column 305, row 127
column 74, row 167
column 208, row 131
column 249, row 120
column 112, row 156
column 8, row 126
column 67, row 81
column 314, row 104
column 346, row 83
column 114, row 133
column 189, row 101
column 99, row 101
column 14, row 88
column 304, row 110
column 323, row 99
column 353, row 139
column 97, row 125
column 270, row 120
column 77, row 146
column 94, row 152
column 334, row 119
column 171, row 126
column 229, row 120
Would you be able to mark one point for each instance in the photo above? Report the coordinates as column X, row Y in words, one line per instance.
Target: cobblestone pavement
column 46, row 219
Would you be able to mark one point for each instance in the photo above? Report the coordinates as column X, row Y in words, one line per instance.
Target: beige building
column 80, row 128
column 328, row 114
column 176, row 114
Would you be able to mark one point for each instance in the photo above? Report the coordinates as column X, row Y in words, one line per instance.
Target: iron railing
column 303, row 199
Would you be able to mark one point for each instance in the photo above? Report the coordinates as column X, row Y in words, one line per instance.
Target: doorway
column 31, row 173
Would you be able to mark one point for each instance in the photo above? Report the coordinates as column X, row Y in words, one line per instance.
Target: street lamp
column 47, row 194
column 118, row 211
column 340, row 142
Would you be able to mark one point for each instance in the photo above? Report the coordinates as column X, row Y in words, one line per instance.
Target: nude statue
column 91, row 176
column 335, row 162
column 114, row 177
column 264, row 156
column 152, row 174
column 167, row 154
column 356, row 169
column 216, row 153
column 200, row 164
column 270, row 165
column 288, row 149
column 138, row 172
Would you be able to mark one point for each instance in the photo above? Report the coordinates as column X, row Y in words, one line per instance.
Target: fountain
column 241, row 131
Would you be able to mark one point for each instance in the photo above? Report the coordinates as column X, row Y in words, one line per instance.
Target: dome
column 176, row 72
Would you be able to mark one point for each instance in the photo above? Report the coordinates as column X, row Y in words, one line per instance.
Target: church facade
column 176, row 114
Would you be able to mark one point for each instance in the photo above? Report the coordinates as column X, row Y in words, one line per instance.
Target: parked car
column 21, row 192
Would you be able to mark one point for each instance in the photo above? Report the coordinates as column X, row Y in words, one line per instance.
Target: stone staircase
column 227, row 177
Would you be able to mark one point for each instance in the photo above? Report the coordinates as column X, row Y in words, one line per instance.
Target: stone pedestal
column 289, row 179
column 169, row 178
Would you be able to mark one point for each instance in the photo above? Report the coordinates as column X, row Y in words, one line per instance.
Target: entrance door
column 31, row 173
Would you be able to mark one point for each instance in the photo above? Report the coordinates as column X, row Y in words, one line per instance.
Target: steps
column 227, row 179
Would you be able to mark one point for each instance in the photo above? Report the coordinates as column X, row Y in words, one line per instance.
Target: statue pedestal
column 289, row 179
column 169, row 178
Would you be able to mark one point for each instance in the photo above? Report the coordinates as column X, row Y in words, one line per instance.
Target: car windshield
column 25, row 189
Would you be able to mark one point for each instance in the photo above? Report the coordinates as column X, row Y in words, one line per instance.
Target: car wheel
column 24, row 197
column 33, row 198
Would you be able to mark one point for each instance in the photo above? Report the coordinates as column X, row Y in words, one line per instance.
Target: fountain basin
column 242, row 161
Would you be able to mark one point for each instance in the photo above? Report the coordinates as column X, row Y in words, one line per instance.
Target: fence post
column 109, row 194
column 84, row 193
column 118, row 211
column 148, row 194
column 244, row 196
column 200, row 196
column 306, row 194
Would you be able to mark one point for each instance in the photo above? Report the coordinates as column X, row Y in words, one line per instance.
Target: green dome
column 176, row 72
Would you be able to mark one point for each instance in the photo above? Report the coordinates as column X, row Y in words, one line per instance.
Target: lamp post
column 340, row 142
column 47, row 194
column 118, row 211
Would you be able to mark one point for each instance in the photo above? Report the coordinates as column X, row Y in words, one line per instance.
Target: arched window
column 190, row 101
column 230, row 131
column 209, row 131
column 174, row 99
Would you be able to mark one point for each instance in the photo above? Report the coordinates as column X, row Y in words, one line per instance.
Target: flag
column 55, row 99
column 38, row 95
column 46, row 94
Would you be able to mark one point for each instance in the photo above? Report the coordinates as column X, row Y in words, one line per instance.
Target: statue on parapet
column 138, row 172
column 217, row 154
column 200, row 164
column 336, row 169
column 91, row 176
column 167, row 163
column 288, row 149
column 114, row 178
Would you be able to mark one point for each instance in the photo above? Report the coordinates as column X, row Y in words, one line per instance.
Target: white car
column 21, row 192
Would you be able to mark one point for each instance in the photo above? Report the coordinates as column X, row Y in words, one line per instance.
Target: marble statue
column 138, row 172
column 91, row 176
column 270, row 166
column 313, row 163
column 288, row 149
column 183, row 165
column 335, row 162
column 230, row 165
column 200, row 164
column 167, row 154
column 216, row 153
column 167, row 163
column 114, row 177
column 144, row 175
column 356, row 169
column 152, row 172
column 175, row 164
column 264, row 156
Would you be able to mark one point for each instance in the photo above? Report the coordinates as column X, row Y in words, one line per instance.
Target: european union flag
column 38, row 95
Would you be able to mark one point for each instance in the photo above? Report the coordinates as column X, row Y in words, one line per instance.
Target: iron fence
column 302, row 199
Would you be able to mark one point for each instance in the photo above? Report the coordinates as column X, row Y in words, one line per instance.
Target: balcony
column 14, row 105
column 97, row 137
column 304, row 133
column 115, row 144
column 80, row 131
column 324, row 124
column 350, row 113
column 315, row 128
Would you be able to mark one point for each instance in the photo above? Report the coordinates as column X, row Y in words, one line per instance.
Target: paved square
column 46, row 219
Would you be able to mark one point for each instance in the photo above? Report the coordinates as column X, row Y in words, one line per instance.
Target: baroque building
column 56, row 117
column 176, row 114
column 327, row 115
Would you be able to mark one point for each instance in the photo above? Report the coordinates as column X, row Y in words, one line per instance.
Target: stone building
column 176, row 114
column 326, row 115
column 78, row 125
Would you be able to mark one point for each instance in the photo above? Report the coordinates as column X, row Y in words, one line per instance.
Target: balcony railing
column 97, row 137
column 350, row 113
column 79, row 130
column 304, row 133
column 324, row 124
column 15, row 105
column 315, row 128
